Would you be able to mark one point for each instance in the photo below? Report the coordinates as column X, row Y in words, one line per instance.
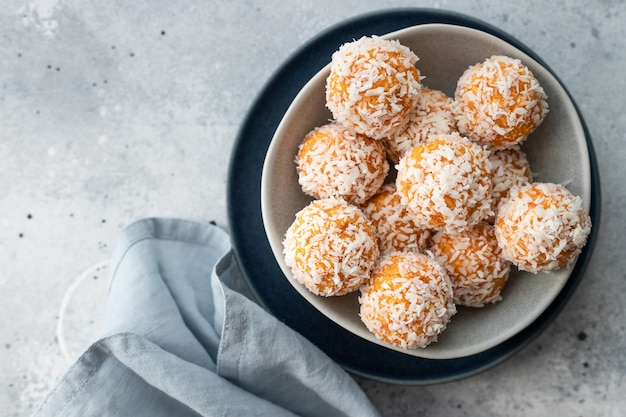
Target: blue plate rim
column 253, row 253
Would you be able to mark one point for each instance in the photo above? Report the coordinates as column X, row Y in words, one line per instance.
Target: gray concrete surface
column 112, row 111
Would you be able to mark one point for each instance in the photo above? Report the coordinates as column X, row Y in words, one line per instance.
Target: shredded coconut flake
column 474, row 262
column 333, row 162
column 446, row 183
column 499, row 102
column 395, row 227
column 408, row 300
column 431, row 115
column 372, row 86
column 541, row 227
column 330, row 247
column 509, row 168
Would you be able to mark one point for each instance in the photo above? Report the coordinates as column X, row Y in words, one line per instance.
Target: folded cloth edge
column 352, row 400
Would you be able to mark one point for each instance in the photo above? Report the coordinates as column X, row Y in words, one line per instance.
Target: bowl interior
column 557, row 152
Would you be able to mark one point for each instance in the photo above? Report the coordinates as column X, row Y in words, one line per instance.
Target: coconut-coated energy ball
column 474, row 263
column 395, row 227
column 330, row 247
column 446, row 183
column 509, row 168
column 408, row 300
column 334, row 162
column 373, row 85
column 499, row 102
column 542, row 227
column 432, row 114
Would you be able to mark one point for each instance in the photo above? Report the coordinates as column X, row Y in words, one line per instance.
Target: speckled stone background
column 115, row 110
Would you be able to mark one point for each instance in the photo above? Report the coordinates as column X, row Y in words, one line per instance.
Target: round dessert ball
column 372, row 85
column 408, row 300
column 446, row 183
column 499, row 102
column 330, row 247
column 394, row 226
column 541, row 227
column 474, row 263
column 432, row 114
column 509, row 168
column 333, row 162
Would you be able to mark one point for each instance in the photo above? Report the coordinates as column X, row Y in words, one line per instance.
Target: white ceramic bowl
column 557, row 153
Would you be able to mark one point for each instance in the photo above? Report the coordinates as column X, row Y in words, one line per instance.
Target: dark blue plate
column 255, row 256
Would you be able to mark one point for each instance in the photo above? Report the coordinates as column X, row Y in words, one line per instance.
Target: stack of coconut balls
column 423, row 201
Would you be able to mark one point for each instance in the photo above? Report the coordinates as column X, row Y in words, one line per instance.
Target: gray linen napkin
column 179, row 340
